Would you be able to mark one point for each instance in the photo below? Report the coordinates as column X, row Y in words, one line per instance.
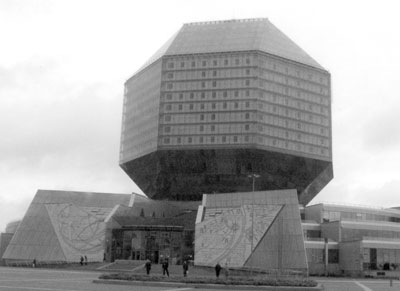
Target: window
column 191, row 95
column 193, row 64
column 212, row 139
column 236, row 105
column 247, row 93
column 201, row 116
column 225, row 105
column 212, row 116
column 226, row 62
column 247, row 127
column 235, row 138
column 203, row 74
column 202, row 106
column 212, row 127
column 203, row 95
column 167, row 129
column 204, row 63
column 190, row 106
column 214, row 94
column 201, row 128
column 214, row 73
column 169, row 96
column 247, row 61
column 170, row 65
column 167, row 118
column 225, row 94
column 201, row 139
column 214, row 83
column 247, row 83
column 203, row 84
column 247, row 116
column 236, row 93
column 247, row 104
column 182, row 64
column 180, row 96
column 166, row 140
column 168, row 107
column 189, row 140
column 213, row 106
column 180, row 106
column 215, row 62
column 170, row 75
column 236, row 61
column 247, row 71
column 169, row 86
column 178, row 140
column 224, row 138
column 246, row 138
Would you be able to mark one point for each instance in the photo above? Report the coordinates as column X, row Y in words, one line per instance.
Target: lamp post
column 254, row 177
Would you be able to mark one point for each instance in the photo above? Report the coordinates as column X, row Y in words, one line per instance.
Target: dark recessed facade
column 221, row 101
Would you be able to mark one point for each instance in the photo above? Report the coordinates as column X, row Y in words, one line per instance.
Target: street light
column 254, row 177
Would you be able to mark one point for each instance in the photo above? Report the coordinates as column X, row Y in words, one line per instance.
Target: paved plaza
column 66, row 280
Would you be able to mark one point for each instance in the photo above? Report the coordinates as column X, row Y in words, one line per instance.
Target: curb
column 319, row 287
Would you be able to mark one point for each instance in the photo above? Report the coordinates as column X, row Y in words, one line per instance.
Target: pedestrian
column 217, row 270
column 34, row 263
column 148, row 266
column 81, row 261
column 165, row 267
column 185, row 267
column 226, row 270
column 85, row 260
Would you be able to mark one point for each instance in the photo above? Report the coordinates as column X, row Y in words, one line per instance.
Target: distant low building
column 357, row 240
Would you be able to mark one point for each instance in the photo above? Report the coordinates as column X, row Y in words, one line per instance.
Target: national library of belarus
column 227, row 130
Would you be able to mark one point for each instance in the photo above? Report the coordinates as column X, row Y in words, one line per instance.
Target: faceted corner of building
column 256, row 230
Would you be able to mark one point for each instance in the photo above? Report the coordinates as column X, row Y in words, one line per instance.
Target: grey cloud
column 382, row 131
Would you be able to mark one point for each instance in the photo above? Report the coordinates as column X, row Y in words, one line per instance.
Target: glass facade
column 153, row 243
column 140, row 115
column 381, row 259
column 247, row 99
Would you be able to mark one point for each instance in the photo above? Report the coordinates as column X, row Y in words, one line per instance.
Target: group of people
column 185, row 267
column 83, row 260
column 165, row 266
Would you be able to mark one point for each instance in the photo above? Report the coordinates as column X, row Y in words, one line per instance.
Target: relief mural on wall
column 80, row 230
column 225, row 234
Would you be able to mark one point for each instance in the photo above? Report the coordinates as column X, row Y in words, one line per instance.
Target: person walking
column 147, row 265
column 81, row 261
column 165, row 265
column 217, row 270
column 185, row 267
column 85, row 260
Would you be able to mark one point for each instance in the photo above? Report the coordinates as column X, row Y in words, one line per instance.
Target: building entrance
column 147, row 242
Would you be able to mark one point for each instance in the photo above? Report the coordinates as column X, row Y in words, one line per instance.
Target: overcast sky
column 63, row 65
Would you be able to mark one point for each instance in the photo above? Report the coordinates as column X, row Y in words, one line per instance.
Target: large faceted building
column 224, row 100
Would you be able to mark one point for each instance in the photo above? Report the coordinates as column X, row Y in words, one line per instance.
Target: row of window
column 210, row 128
column 207, row 84
column 294, row 125
column 240, row 139
column 206, row 106
column 292, row 70
column 181, row 64
column 356, row 216
column 190, row 75
column 206, row 139
column 195, row 118
column 263, row 61
column 206, row 95
column 269, row 76
column 237, row 128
